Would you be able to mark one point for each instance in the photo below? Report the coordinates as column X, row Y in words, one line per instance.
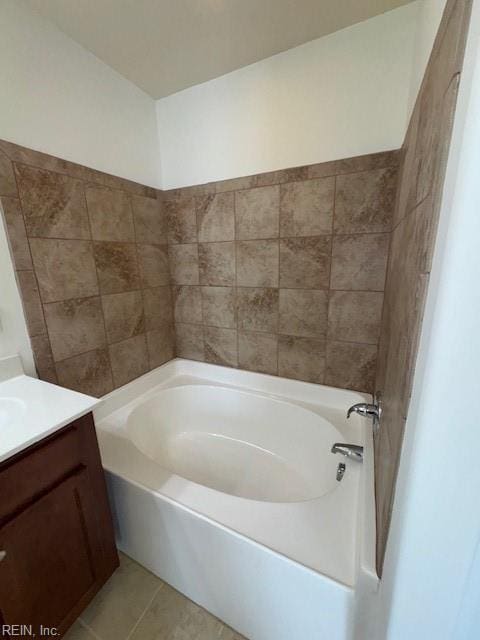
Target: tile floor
column 136, row 605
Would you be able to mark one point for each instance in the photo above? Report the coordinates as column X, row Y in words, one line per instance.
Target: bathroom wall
column 90, row 253
column 283, row 272
column 60, row 99
column 424, row 157
column 317, row 102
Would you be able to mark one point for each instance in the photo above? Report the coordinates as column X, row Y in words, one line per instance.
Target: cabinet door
column 49, row 565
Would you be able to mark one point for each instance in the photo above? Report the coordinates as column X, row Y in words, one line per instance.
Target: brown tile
column 64, row 268
column 41, row 160
column 303, row 313
column 359, row 261
column 150, row 220
column 217, row 263
column 187, row 301
column 183, row 262
column 368, row 162
column 184, row 193
column 53, row 204
column 88, row 373
column 221, row 346
column 322, row 169
column 181, row 219
column 75, row 326
column 117, row 266
column 124, row 317
column 31, row 303
column 351, row 366
column 129, row 359
column 291, row 174
column 306, row 208
column 8, row 185
column 218, row 304
column 234, row 184
column 110, row 214
column 43, row 357
column 257, row 309
column 215, row 217
column 257, row 263
column 158, row 307
column 257, row 213
column 16, row 233
column 301, row 358
column 355, row 316
column 153, row 264
column 364, row 202
column 305, row 262
column 160, row 343
column 425, row 154
column 258, row 352
column 189, row 341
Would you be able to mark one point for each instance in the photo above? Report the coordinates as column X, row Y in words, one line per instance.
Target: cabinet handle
column 3, row 555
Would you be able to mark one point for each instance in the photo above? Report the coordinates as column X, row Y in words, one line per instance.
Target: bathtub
column 222, row 483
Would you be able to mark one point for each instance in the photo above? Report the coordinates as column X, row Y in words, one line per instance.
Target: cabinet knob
column 3, row 555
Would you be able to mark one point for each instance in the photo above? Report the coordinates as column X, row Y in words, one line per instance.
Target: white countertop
column 31, row 409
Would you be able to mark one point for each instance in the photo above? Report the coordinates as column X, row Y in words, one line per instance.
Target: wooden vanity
column 57, row 545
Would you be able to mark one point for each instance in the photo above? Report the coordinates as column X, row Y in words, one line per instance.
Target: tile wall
column 423, row 165
column 91, row 259
column 283, row 272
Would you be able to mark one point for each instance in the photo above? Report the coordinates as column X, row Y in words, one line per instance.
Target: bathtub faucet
column 367, row 410
column 353, row 451
column 364, row 409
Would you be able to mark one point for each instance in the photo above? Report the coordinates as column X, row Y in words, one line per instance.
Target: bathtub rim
column 275, row 386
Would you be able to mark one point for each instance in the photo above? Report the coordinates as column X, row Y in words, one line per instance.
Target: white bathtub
column 223, row 484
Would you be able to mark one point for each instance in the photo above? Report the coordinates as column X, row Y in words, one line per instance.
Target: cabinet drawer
column 32, row 472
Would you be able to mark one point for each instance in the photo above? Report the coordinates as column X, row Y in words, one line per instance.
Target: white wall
column 59, row 98
column 431, row 581
column 340, row 95
column 428, row 20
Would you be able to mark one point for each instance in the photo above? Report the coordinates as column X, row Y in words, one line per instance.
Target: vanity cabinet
column 57, row 544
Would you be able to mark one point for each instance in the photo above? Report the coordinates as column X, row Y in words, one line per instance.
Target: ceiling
column 164, row 46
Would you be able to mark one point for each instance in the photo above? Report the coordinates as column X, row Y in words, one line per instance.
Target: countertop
column 31, row 410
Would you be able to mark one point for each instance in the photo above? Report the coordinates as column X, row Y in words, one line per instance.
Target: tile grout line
column 132, row 631
column 142, row 286
column 277, row 333
column 107, row 350
column 329, row 290
column 235, row 287
column 197, row 243
column 88, row 628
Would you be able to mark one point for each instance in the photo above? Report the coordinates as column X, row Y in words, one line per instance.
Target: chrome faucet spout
column 364, row 409
column 368, row 410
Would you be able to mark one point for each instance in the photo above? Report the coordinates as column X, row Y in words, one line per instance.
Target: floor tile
column 171, row 616
column 78, row 632
column 118, row 606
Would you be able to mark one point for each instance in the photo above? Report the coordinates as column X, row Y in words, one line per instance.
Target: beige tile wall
column 91, row 259
column 424, row 157
column 284, row 272
column 280, row 273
